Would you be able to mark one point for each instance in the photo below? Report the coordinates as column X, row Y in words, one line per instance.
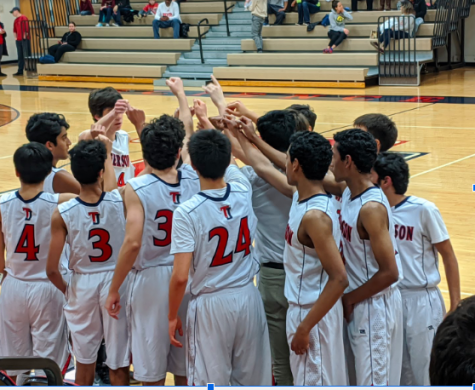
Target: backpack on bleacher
column 184, row 30
column 47, row 59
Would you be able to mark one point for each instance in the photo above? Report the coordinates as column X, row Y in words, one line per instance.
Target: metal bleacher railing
column 51, row 369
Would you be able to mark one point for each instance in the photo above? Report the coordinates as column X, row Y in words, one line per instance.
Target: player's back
column 48, row 183
column 159, row 200
column 359, row 258
column 418, row 223
column 305, row 276
column 223, row 226
column 95, row 232
column 26, row 226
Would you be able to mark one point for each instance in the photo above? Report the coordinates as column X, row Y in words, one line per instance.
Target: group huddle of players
column 164, row 268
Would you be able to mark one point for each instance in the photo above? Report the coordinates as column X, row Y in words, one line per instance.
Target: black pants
column 336, row 37
column 1, row 55
column 23, row 49
column 386, row 36
column 274, row 10
column 58, row 50
column 354, row 5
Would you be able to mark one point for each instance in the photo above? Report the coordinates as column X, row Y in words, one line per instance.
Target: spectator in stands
column 86, row 8
column 369, row 5
column 307, row 112
column 69, row 42
column 108, row 12
column 277, row 8
column 21, row 30
column 452, row 361
column 403, row 27
column 307, row 8
column 258, row 10
column 3, row 46
column 420, row 8
column 149, row 9
column 168, row 15
column 337, row 31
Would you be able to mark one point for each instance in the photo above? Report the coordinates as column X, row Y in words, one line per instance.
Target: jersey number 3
column 26, row 243
column 243, row 243
column 102, row 244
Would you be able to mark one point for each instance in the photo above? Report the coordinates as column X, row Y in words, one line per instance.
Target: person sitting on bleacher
column 86, row 8
column 420, row 8
column 337, row 32
column 277, row 8
column 149, row 9
column 107, row 13
column 69, row 42
column 168, row 15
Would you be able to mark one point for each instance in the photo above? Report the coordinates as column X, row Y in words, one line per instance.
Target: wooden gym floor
column 436, row 132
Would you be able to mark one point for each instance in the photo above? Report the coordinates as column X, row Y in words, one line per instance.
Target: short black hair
column 101, row 99
column 358, row 144
column 276, row 128
column 87, row 160
column 314, row 153
column 33, row 162
column 335, row 3
column 161, row 140
column 307, row 112
column 381, row 127
column 45, row 127
column 452, row 361
column 395, row 166
column 210, row 153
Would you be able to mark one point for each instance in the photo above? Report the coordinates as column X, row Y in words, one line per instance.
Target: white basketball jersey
column 358, row 255
column 272, row 212
column 124, row 170
column 305, row 277
column 26, row 227
column 159, row 200
column 48, row 183
column 336, row 201
column 218, row 226
column 95, row 232
column 418, row 226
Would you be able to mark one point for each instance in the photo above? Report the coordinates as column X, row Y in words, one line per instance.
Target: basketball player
column 372, row 304
column 51, row 130
column 94, row 226
column 212, row 237
column 420, row 234
column 382, row 128
column 315, row 275
column 107, row 108
column 32, row 322
column 151, row 200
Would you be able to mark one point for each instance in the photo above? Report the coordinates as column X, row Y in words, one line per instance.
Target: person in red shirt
column 86, row 8
column 3, row 47
column 149, row 9
column 22, row 36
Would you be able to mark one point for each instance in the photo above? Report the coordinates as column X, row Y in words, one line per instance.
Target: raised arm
column 238, row 108
column 58, row 238
column 65, row 182
column 110, row 181
column 216, row 94
column 129, row 250
column 176, row 86
column 374, row 219
column 318, row 226
column 136, row 117
column 332, row 186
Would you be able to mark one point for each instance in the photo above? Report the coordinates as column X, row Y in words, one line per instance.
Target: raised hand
column 176, row 85
column 216, row 94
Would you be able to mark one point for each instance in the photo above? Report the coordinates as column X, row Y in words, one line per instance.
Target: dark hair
column 45, row 127
column 301, row 123
column 276, row 128
column 452, row 360
column 306, row 111
column 335, row 3
column 382, row 128
column 161, row 140
column 101, row 99
column 71, row 22
column 314, row 153
column 33, row 162
column 394, row 166
column 358, row 144
column 87, row 160
column 210, row 153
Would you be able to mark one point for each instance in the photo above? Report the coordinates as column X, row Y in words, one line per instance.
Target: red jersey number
column 120, row 180
column 102, row 244
column 243, row 243
column 165, row 226
column 26, row 243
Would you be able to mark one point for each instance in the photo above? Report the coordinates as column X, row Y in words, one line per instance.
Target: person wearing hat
column 3, row 46
column 22, row 35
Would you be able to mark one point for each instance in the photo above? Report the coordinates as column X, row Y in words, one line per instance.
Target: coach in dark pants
column 21, row 30
column 3, row 46
column 69, row 42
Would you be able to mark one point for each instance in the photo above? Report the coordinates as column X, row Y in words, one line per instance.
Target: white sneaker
column 99, row 25
column 107, row 25
column 115, row 25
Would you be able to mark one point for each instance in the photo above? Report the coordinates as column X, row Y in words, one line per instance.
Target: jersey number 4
column 243, row 243
column 26, row 243
column 102, row 244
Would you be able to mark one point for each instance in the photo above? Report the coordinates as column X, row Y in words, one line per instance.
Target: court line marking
column 462, row 293
column 442, row 166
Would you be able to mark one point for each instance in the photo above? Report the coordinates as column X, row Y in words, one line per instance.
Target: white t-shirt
column 272, row 212
column 173, row 11
column 418, row 226
column 218, row 226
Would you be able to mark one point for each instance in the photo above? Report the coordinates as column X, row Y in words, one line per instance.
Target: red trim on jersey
column 65, row 368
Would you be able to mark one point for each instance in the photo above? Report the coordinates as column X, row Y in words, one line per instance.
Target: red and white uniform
column 95, row 235
column 150, row 279
column 32, row 322
column 123, row 167
column 218, row 227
